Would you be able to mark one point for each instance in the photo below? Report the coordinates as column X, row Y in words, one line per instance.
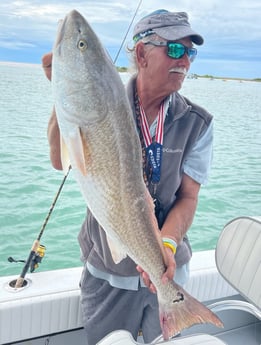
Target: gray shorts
column 106, row 309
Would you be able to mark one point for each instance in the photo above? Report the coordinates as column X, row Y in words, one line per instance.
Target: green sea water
column 28, row 183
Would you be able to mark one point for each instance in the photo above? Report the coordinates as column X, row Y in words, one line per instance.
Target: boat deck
column 247, row 331
column 54, row 296
column 248, row 335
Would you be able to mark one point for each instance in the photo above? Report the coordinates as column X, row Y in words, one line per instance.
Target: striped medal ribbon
column 153, row 148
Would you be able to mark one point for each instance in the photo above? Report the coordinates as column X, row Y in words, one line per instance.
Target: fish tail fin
column 184, row 312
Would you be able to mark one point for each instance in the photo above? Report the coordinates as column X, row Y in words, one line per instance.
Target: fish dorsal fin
column 156, row 230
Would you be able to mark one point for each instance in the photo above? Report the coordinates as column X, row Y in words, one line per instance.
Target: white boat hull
column 48, row 308
column 50, row 304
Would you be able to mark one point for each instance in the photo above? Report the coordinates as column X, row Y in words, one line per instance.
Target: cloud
column 16, row 45
column 231, row 28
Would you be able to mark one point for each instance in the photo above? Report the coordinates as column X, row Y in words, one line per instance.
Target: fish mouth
column 62, row 24
column 180, row 70
column 60, row 32
column 65, row 30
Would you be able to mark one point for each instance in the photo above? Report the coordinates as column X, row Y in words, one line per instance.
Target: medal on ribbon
column 153, row 148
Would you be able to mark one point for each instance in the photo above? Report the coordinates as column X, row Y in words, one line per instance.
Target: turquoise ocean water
column 28, row 183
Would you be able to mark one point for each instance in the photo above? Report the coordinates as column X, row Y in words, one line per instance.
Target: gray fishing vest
column 183, row 126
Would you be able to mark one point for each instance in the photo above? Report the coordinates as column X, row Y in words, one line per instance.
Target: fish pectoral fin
column 65, row 159
column 76, row 151
column 117, row 252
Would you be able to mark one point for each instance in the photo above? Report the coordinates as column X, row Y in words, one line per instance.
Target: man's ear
column 140, row 54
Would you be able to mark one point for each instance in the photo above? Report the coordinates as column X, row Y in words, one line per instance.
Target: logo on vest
column 169, row 150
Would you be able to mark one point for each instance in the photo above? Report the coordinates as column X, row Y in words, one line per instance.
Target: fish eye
column 82, row 45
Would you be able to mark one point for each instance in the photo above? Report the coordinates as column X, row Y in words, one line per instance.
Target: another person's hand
column 167, row 275
column 47, row 64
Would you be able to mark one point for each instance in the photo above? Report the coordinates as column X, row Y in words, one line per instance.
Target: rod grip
column 20, row 280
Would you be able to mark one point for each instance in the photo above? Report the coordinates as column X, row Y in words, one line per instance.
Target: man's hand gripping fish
column 100, row 141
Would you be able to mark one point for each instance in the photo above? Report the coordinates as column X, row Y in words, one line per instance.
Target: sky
column 231, row 29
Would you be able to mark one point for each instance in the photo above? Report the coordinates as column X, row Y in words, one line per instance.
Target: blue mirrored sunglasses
column 176, row 50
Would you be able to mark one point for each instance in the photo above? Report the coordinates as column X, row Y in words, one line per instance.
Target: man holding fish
column 174, row 153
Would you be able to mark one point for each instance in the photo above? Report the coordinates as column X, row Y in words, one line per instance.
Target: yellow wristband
column 168, row 245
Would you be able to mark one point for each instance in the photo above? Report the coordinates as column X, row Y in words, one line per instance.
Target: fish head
column 87, row 89
column 82, row 73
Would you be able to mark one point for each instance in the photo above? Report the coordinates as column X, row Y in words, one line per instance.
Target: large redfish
column 100, row 140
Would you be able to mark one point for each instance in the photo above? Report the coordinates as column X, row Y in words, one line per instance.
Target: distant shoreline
column 126, row 69
column 196, row 76
column 229, row 78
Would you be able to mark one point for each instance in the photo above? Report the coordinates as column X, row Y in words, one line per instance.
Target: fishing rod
column 37, row 250
column 36, row 247
column 127, row 32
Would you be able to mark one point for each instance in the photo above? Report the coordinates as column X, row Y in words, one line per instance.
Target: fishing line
column 53, row 204
column 127, row 32
column 36, row 245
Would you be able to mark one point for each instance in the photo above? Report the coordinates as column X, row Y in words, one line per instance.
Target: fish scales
column 99, row 139
column 112, row 173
